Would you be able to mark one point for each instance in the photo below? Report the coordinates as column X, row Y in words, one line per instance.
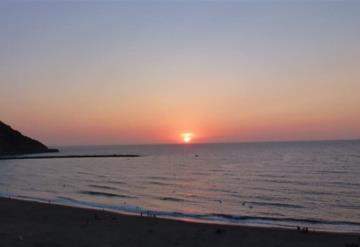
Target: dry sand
column 24, row 223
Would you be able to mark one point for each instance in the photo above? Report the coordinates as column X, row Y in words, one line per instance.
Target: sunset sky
column 140, row 72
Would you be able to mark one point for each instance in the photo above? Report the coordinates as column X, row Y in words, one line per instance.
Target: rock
column 12, row 142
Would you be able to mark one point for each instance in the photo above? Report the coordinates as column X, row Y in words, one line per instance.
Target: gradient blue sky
column 144, row 72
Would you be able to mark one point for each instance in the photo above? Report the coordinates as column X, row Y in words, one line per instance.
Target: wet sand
column 24, row 223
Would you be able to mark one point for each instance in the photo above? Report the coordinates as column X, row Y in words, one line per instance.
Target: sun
column 187, row 137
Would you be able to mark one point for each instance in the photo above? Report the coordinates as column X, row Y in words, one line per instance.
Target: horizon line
column 209, row 143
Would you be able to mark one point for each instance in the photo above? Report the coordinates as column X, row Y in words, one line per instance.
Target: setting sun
column 187, row 137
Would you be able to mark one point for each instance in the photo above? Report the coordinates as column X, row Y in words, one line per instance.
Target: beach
column 25, row 223
column 179, row 123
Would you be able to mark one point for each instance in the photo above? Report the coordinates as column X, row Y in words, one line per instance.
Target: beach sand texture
column 24, row 223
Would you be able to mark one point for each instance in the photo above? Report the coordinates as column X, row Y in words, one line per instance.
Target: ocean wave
column 106, row 194
column 157, row 183
column 284, row 219
column 345, row 184
column 102, row 187
column 274, row 204
column 173, row 199
column 159, row 178
column 287, row 222
column 115, row 182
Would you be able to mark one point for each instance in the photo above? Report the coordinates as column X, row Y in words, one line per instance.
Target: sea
column 270, row 184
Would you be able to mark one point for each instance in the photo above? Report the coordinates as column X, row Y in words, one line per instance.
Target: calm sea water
column 313, row 184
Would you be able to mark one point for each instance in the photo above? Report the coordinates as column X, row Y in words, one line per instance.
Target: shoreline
column 40, row 224
column 69, row 156
column 167, row 216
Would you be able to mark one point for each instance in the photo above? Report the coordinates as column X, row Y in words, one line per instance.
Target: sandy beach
column 24, row 223
column 174, row 123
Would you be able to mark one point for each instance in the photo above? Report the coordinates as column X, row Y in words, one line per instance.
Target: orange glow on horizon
column 187, row 137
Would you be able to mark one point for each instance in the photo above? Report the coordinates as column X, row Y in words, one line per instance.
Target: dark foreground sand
column 35, row 224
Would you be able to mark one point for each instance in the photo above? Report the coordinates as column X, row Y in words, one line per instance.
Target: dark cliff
column 12, row 142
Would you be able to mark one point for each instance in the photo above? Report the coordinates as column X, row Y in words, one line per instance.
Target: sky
column 133, row 72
